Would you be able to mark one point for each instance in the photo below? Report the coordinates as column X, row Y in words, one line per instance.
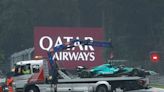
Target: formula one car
column 108, row 70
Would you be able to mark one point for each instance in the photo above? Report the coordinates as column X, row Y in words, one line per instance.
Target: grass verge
column 157, row 85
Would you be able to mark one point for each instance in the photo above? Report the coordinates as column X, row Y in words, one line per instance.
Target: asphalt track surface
column 149, row 90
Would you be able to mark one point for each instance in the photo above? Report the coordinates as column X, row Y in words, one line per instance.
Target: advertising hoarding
column 88, row 56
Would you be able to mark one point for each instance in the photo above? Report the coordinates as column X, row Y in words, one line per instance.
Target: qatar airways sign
column 46, row 38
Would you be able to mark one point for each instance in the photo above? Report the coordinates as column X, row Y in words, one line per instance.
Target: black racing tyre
column 32, row 89
column 135, row 72
column 102, row 88
column 85, row 74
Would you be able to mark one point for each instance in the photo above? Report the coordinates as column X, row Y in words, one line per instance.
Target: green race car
column 108, row 70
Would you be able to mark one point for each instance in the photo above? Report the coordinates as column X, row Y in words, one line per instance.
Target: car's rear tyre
column 85, row 74
column 135, row 72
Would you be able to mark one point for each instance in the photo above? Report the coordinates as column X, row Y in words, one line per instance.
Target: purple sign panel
column 88, row 56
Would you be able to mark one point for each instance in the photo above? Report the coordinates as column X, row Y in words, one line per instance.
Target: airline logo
column 49, row 37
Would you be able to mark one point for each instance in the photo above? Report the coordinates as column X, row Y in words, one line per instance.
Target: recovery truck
column 46, row 76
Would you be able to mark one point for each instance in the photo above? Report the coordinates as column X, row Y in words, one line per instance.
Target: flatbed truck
column 40, row 81
column 45, row 76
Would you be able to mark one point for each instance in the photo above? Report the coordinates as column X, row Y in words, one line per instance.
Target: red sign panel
column 88, row 56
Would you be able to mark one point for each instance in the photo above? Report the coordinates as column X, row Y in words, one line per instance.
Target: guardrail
column 154, row 78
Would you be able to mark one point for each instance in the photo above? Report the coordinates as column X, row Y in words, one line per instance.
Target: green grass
column 157, row 85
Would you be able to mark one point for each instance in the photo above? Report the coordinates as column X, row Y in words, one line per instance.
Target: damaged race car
column 109, row 70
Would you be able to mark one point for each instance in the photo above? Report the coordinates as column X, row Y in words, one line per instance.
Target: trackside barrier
column 154, row 78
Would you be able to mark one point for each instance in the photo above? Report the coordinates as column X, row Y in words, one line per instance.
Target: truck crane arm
column 82, row 42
